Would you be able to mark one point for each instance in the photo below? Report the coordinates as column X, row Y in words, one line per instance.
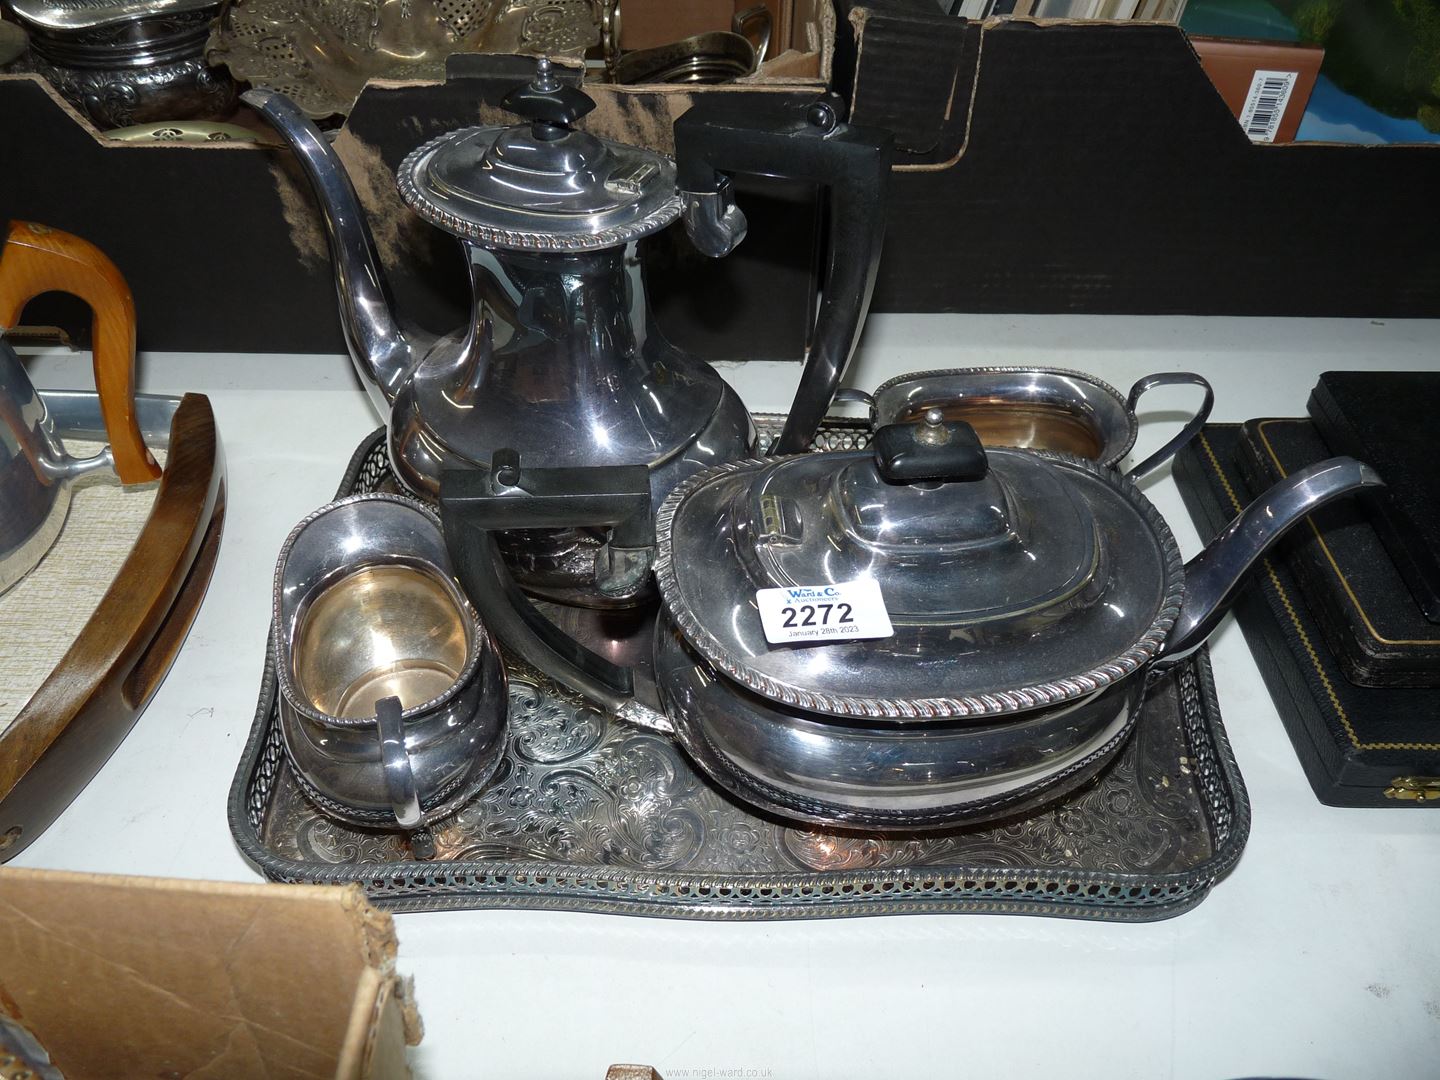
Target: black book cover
column 1359, row 746
column 1387, row 420
column 1368, row 616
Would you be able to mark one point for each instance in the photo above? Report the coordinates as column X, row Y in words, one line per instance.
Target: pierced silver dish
column 321, row 53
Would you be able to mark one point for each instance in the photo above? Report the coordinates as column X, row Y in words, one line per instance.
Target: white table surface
column 1318, row 956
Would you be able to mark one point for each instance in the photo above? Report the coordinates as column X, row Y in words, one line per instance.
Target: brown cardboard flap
column 146, row 977
column 644, row 24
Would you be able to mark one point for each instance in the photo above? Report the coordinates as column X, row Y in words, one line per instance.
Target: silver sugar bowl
column 392, row 694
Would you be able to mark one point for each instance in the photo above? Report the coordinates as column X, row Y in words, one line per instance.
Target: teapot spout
column 382, row 354
column 1214, row 576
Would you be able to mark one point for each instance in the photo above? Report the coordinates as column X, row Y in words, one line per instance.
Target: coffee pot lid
column 1013, row 579
column 541, row 185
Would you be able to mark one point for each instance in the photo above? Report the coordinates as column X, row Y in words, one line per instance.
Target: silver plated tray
column 589, row 814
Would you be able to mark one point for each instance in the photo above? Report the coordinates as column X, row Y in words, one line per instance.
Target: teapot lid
column 1013, row 579
column 541, row 185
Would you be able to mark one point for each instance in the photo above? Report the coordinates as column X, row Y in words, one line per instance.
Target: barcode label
column 1265, row 103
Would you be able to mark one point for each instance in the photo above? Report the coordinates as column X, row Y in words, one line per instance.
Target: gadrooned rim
column 297, row 700
column 1033, row 696
column 1132, row 426
column 754, row 791
column 519, row 239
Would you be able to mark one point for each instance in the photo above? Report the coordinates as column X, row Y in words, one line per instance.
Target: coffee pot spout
column 1214, row 576
column 382, row 353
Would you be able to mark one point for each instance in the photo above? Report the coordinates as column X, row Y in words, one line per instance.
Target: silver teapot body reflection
column 392, row 696
column 557, row 359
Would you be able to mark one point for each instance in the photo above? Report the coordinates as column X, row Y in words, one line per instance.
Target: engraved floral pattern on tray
column 576, row 787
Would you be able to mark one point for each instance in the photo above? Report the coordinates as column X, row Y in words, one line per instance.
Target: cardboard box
column 124, row 977
column 1041, row 167
column 224, row 249
column 1093, row 167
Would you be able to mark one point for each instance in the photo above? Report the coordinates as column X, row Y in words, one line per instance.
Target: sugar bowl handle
column 399, row 773
column 1192, row 426
column 808, row 141
column 35, row 259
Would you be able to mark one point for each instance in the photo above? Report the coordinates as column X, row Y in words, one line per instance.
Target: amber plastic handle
column 37, row 259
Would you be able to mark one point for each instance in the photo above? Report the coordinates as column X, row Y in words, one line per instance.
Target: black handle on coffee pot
column 475, row 504
column 753, row 133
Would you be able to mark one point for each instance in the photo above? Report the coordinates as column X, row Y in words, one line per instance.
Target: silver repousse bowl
column 320, row 53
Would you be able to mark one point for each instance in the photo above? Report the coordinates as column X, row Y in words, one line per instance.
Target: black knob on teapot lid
column 552, row 105
column 932, row 449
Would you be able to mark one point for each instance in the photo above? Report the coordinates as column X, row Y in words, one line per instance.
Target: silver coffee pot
column 552, row 363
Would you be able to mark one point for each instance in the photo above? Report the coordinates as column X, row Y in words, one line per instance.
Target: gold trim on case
column 1354, row 600
column 1300, row 630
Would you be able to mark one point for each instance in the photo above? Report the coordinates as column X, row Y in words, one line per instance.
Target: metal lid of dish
column 541, row 185
column 63, row 15
column 1027, row 581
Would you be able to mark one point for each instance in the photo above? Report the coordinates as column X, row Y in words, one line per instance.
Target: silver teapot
column 1025, row 596
column 36, row 474
column 551, row 363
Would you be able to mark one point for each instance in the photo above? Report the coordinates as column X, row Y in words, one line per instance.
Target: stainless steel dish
column 125, row 62
column 392, row 696
column 713, row 57
column 1037, row 408
column 551, row 363
column 1029, row 594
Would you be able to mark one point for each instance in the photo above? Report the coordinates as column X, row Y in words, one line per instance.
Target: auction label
column 850, row 610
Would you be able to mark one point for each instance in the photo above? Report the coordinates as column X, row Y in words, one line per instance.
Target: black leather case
column 1359, row 746
column 1367, row 615
column 1388, row 420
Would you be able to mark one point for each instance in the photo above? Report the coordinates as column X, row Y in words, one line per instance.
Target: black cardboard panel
column 1101, row 172
column 1069, row 168
column 198, row 232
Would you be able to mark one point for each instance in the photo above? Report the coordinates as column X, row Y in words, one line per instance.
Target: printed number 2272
column 806, row 614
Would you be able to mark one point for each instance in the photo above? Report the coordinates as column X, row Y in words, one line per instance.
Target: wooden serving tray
column 76, row 718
